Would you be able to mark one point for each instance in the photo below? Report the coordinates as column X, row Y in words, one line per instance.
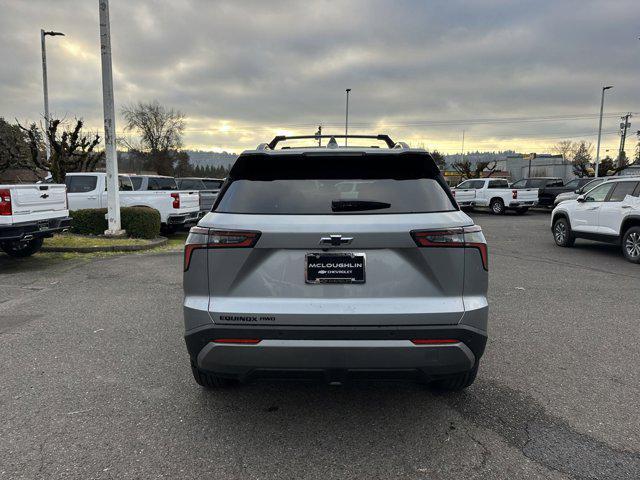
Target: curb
column 156, row 242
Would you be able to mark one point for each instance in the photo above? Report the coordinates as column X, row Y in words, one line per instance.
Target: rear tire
column 457, row 382
column 522, row 210
column 497, row 206
column 631, row 244
column 22, row 249
column 562, row 233
column 208, row 380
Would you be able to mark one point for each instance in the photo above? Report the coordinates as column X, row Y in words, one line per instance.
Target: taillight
column 176, row 200
column 467, row 237
column 453, row 192
column 241, row 341
column 200, row 237
column 434, row 341
column 514, row 194
column 5, row 202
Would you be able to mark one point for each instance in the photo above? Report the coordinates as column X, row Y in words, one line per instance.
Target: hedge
column 139, row 222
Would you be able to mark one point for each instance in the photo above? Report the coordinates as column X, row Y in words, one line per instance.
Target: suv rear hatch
column 332, row 242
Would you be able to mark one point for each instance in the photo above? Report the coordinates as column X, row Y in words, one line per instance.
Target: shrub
column 139, row 222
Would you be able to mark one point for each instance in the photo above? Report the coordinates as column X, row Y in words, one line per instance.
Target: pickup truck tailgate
column 464, row 195
column 38, row 198
column 527, row 194
column 189, row 200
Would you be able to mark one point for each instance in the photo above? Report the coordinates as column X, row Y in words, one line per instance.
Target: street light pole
column 45, row 87
column 113, row 199
column 346, row 120
column 600, row 129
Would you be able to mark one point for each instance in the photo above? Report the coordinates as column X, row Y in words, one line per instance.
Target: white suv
column 608, row 213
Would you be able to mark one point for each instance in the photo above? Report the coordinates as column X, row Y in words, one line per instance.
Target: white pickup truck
column 89, row 190
column 496, row 194
column 28, row 214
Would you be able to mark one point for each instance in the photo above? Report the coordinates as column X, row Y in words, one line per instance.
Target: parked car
column 496, row 194
column 89, row 190
column 582, row 185
column 30, row 213
column 548, row 188
column 208, row 188
column 289, row 276
column 608, row 213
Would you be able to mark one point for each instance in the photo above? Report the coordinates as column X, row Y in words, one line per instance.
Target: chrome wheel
column 560, row 232
column 632, row 245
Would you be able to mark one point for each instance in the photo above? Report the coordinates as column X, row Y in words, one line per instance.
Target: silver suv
column 339, row 263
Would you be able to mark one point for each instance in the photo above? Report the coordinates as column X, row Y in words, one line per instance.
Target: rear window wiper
column 357, row 205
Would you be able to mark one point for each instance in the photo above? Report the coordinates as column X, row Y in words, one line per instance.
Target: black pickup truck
column 550, row 187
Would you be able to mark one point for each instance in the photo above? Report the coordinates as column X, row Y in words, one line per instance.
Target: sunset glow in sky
column 511, row 75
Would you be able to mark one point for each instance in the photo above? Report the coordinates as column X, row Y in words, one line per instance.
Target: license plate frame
column 353, row 272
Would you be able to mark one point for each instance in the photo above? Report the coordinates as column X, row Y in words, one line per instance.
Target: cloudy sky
column 519, row 75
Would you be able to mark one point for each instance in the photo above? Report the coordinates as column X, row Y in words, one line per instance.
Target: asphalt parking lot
column 96, row 380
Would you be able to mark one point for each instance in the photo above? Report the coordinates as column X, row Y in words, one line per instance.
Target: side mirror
column 581, row 199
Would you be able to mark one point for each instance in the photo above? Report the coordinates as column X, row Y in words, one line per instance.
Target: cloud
column 257, row 67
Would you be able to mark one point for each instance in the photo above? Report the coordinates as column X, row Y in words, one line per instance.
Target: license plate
column 335, row 268
column 43, row 225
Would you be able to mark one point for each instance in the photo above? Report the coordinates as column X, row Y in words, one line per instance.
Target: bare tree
column 566, row 148
column 468, row 170
column 14, row 147
column 71, row 150
column 160, row 130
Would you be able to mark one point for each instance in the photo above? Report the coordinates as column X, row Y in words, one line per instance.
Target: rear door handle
column 593, row 208
column 625, row 206
column 92, row 198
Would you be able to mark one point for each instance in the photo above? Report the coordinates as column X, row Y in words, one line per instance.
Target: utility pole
column 462, row 154
column 623, row 136
column 346, row 120
column 45, row 87
column 113, row 200
column 600, row 129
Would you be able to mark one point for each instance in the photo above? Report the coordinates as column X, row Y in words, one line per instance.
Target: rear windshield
column 212, row 184
column 81, row 183
column 162, row 183
column 137, row 182
column 319, row 185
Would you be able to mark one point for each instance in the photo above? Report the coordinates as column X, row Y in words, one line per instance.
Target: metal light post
column 346, row 120
column 45, row 87
column 113, row 199
column 600, row 129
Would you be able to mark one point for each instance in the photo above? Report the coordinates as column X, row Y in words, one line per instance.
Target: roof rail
column 281, row 138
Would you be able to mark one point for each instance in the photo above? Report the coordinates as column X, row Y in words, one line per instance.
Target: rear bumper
column 183, row 218
column 517, row 204
column 336, row 352
column 35, row 229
